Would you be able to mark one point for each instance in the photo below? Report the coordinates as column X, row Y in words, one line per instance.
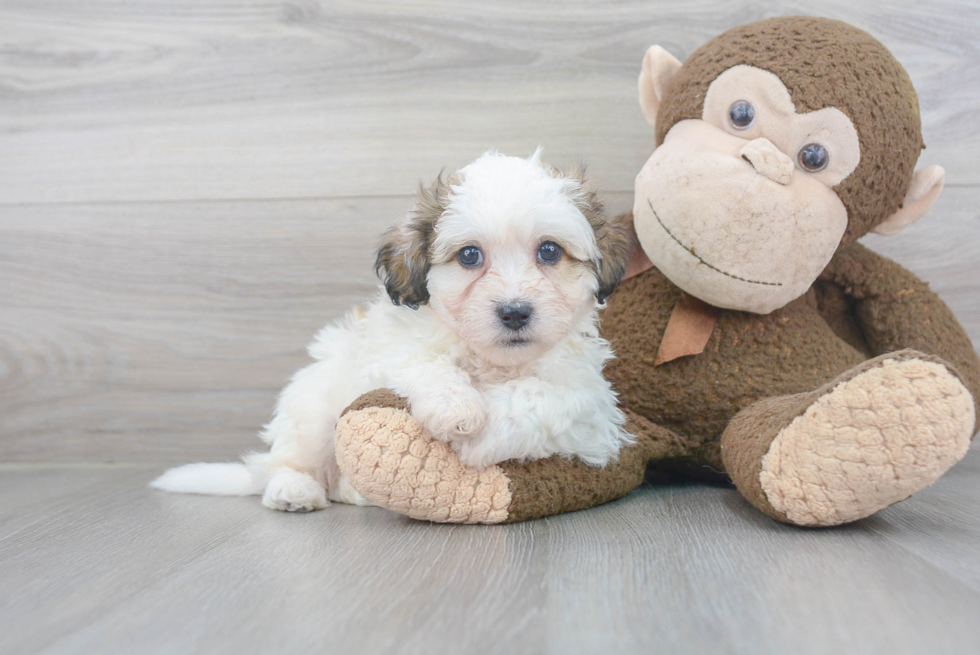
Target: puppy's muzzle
column 514, row 315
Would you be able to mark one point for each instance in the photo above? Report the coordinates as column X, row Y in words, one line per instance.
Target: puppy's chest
column 486, row 379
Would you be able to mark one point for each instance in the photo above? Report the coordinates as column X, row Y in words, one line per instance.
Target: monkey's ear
column 926, row 186
column 659, row 66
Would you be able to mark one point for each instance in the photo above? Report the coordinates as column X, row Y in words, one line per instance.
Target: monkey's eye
column 549, row 252
column 742, row 114
column 814, row 157
column 470, row 256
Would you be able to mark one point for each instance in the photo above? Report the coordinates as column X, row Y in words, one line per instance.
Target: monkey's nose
column 768, row 160
column 514, row 315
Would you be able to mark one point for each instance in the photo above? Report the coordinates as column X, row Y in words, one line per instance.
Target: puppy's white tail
column 226, row 479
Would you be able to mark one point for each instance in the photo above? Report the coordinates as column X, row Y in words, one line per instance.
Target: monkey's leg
column 874, row 436
column 393, row 462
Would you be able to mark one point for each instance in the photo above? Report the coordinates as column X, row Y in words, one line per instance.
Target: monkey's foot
column 886, row 430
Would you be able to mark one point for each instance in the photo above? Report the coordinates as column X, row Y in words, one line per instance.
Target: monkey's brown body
column 842, row 322
column 833, row 385
column 793, row 350
column 748, row 357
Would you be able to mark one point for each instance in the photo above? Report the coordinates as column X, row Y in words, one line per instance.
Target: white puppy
column 495, row 279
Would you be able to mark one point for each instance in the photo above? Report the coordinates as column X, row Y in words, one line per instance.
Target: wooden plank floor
column 92, row 561
column 189, row 190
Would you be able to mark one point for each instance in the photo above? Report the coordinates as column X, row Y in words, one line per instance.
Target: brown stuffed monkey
column 755, row 337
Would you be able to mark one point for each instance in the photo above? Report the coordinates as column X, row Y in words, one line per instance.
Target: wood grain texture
column 109, row 100
column 131, row 325
column 91, row 560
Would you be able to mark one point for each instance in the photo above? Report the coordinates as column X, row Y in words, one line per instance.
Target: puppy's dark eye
column 470, row 256
column 814, row 157
column 549, row 252
column 741, row 114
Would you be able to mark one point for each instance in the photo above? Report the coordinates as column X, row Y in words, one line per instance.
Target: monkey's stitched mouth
column 700, row 259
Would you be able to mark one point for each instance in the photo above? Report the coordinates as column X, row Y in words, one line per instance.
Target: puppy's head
column 511, row 253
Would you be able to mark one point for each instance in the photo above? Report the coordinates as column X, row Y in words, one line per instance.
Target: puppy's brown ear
column 404, row 252
column 613, row 237
column 615, row 246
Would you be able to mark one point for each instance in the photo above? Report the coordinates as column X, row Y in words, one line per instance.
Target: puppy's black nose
column 514, row 315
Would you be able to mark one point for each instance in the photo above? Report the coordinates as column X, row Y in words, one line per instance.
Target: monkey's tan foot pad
column 869, row 441
column 395, row 463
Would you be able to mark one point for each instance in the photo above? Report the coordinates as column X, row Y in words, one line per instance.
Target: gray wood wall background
column 190, row 188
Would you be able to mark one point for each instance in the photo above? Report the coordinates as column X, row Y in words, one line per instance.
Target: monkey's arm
column 392, row 461
column 895, row 310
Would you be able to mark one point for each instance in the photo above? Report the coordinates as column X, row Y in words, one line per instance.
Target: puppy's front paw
column 451, row 413
column 292, row 491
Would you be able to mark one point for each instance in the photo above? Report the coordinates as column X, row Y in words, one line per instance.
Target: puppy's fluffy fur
column 448, row 338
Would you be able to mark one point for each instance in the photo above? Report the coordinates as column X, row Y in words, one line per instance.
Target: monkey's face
column 739, row 208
